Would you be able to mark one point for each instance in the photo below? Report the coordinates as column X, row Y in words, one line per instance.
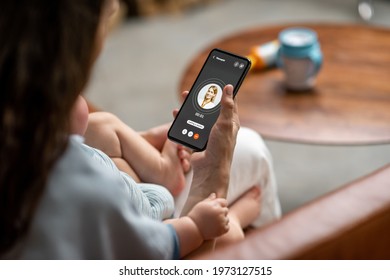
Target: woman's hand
column 212, row 166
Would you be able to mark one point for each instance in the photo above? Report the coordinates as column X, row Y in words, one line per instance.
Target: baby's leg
column 122, row 165
column 101, row 134
column 174, row 163
column 110, row 135
column 242, row 213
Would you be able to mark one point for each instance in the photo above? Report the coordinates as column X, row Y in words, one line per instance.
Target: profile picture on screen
column 209, row 96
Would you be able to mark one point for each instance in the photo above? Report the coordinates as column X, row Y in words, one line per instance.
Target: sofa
column 352, row 222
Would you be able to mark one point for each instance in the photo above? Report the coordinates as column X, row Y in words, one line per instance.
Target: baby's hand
column 210, row 216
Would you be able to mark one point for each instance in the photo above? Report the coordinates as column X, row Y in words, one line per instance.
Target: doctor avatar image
column 209, row 96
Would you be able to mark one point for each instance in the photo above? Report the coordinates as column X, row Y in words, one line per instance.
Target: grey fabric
column 153, row 200
column 87, row 213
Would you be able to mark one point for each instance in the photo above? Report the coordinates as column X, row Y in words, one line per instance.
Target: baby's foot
column 247, row 207
column 185, row 157
column 241, row 214
column 175, row 166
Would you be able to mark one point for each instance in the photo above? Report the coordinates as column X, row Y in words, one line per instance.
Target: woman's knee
column 252, row 164
column 252, row 151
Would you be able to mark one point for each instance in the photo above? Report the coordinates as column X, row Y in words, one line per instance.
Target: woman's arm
column 212, row 167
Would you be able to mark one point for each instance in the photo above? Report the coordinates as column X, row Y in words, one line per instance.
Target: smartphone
column 201, row 108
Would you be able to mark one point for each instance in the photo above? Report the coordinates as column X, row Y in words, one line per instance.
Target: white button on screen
column 195, row 124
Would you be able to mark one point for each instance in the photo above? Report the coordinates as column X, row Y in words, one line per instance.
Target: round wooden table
column 350, row 104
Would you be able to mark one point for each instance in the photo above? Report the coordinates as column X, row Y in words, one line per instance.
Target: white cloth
column 252, row 165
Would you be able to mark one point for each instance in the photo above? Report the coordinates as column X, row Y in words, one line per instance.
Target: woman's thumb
column 227, row 102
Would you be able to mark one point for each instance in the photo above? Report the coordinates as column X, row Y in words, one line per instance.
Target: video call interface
column 201, row 108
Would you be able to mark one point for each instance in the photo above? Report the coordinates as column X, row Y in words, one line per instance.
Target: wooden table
column 350, row 104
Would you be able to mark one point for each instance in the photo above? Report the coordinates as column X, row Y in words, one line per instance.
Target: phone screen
column 201, row 108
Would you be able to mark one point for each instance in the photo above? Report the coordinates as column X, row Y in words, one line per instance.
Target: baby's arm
column 207, row 220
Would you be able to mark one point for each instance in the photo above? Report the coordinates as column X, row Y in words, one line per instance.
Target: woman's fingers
column 183, row 95
column 223, row 135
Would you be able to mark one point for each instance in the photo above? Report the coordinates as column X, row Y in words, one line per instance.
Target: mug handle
column 316, row 57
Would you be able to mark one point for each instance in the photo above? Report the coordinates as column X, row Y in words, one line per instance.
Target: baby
column 149, row 157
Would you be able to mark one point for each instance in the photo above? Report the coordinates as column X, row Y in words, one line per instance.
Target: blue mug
column 300, row 57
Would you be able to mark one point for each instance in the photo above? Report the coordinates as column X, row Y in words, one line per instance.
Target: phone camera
column 241, row 66
column 236, row 64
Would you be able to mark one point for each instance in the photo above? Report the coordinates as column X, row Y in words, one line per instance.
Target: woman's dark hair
column 46, row 54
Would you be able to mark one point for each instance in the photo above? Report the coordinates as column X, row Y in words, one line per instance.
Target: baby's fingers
column 226, row 225
column 222, row 202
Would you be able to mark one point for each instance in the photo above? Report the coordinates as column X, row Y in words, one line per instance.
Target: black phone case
column 235, row 90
